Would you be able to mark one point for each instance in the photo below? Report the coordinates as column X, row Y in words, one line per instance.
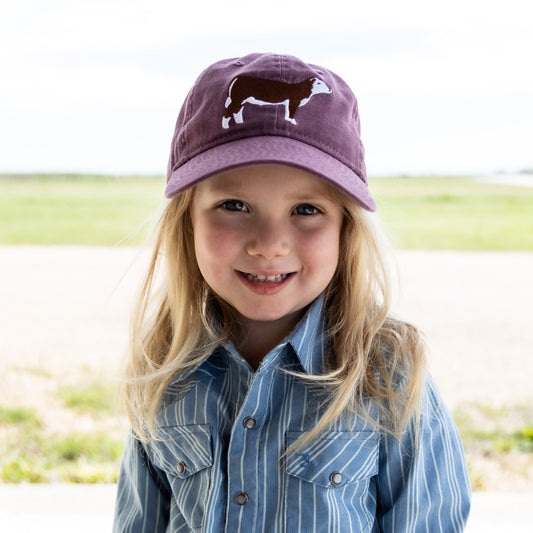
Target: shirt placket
column 244, row 468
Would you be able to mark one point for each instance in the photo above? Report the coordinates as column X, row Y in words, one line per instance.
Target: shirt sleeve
column 426, row 487
column 143, row 495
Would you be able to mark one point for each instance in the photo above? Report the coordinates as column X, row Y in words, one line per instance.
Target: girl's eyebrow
column 292, row 197
column 300, row 194
column 225, row 188
column 311, row 195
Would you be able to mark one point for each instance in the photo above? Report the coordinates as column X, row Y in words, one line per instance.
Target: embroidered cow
column 257, row 91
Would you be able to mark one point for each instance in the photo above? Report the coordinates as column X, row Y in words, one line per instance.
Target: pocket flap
column 183, row 450
column 335, row 459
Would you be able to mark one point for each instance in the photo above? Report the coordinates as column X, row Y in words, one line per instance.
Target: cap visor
column 269, row 150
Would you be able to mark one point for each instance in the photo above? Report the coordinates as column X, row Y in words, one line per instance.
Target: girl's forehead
column 269, row 179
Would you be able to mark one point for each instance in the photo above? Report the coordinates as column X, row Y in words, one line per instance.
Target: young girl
column 269, row 388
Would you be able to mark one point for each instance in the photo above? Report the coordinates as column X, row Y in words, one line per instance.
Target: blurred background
column 89, row 94
column 444, row 87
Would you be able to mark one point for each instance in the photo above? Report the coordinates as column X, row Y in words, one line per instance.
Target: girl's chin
column 266, row 317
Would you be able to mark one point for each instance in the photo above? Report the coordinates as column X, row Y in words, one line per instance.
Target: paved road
column 70, row 306
column 89, row 509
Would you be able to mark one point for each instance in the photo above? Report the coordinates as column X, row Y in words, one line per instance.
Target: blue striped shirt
column 217, row 462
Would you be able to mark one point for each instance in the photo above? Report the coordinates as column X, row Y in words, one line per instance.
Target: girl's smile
column 269, row 279
column 266, row 240
column 265, row 284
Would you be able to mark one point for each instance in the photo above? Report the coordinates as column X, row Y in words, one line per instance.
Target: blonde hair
column 177, row 324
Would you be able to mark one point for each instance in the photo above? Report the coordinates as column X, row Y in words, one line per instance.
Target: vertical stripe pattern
column 217, row 463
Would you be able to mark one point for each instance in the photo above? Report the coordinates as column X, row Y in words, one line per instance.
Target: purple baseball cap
column 268, row 108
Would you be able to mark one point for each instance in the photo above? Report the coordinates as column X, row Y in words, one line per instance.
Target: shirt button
column 180, row 467
column 241, row 498
column 336, row 478
column 249, row 422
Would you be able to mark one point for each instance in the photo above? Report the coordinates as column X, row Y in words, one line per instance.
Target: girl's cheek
column 220, row 238
column 328, row 235
column 320, row 245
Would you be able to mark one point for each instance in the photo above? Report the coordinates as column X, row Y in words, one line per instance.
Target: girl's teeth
column 269, row 279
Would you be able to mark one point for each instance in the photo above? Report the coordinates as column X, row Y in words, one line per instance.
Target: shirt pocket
column 185, row 454
column 328, row 482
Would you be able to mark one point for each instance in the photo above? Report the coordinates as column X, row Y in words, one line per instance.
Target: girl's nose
column 268, row 239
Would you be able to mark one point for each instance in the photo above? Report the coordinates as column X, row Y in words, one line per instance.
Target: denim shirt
column 219, row 464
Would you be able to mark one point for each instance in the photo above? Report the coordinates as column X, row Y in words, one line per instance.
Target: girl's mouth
column 265, row 285
column 266, row 279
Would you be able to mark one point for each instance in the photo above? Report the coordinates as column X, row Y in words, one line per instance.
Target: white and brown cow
column 257, row 91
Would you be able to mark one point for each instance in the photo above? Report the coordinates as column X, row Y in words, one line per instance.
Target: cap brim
column 269, row 150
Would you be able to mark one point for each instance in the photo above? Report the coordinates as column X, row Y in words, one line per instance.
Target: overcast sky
column 96, row 86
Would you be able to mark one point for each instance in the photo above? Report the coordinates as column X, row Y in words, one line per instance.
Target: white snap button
column 241, row 498
column 249, row 422
column 180, row 467
column 336, row 478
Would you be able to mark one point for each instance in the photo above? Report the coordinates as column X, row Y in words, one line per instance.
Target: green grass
column 31, row 453
column 434, row 213
column 33, row 370
column 33, row 457
column 493, row 434
column 77, row 209
column 93, row 447
column 455, row 214
column 95, row 398
column 34, row 452
column 18, row 416
column 502, row 435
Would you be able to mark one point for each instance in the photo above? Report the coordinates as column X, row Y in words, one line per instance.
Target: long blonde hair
column 178, row 321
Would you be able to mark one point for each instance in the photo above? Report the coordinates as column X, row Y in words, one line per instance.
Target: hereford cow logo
column 249, row 90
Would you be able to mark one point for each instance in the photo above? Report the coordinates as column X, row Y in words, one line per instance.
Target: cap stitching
column 213, row 143
column 355, row 168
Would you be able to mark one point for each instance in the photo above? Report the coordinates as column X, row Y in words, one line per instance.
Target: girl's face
column 266, row 239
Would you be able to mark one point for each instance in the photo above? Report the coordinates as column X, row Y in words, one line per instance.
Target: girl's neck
column 254, row 339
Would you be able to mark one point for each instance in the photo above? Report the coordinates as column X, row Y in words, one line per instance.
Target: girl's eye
column 234, row 205
column 306, row 210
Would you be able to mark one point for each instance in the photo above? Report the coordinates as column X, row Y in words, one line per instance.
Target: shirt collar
column 307, row 339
